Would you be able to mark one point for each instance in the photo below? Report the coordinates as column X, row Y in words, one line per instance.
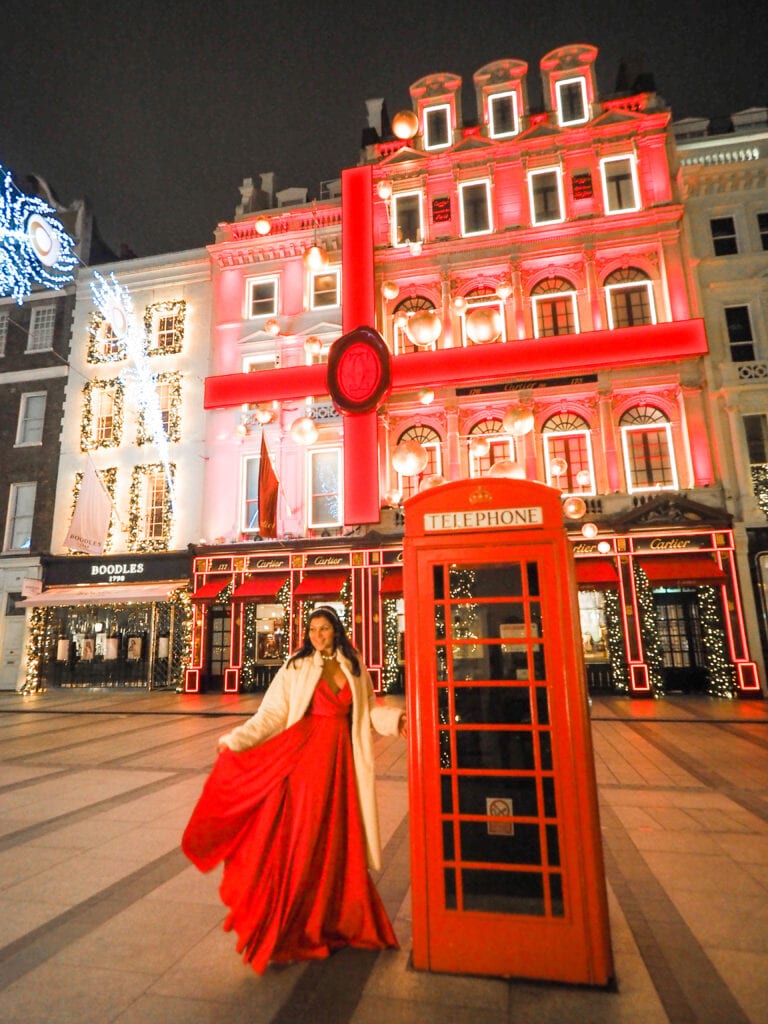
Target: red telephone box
column 507, row 871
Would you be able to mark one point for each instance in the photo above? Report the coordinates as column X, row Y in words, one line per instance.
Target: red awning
column 210, row 590
column 392, row 582
column 322, row 584
column 596, row 571
column 264, row 585
column 682, row 569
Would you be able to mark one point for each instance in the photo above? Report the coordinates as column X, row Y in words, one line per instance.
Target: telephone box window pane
column 556, row 892
column 473, row 791
column 477, row 581
column 504, row 892
column 444, row 739
column 550, row 806
column 450, row 889
column 522, row 846
column 553, row 845
column 439, row 622
column 542, row 705
column 533, row 579
column 446, row 794
column 494, row 705
column 545, row 748
column 437, row 582
column 442, row 666
column 495, row 750
column 449, row 852
column 516, row 663
column 443, row 708
column 539, row 667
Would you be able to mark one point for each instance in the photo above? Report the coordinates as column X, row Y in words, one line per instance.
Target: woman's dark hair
column 340, row 639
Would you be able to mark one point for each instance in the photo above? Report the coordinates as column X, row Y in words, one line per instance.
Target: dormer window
column 619, row 177
column 572, row 104
column 437, row 127
column 545, row 188
column 475, row 207
column 406, row 218
column 503, row 115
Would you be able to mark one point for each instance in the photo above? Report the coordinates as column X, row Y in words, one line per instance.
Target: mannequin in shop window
column 290, row 808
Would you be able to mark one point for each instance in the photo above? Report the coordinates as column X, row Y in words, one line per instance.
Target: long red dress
column 285, row 819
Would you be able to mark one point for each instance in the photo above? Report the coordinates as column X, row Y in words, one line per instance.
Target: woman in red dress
column 290, row 808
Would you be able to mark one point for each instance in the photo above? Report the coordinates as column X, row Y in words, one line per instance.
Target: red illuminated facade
column 530, row 278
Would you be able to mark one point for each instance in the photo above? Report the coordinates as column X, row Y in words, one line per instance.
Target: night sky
column 157, row 111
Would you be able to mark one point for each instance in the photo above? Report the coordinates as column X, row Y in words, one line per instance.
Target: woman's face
column 321, row 634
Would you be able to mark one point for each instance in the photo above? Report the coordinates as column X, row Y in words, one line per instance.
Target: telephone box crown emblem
column 480, row 494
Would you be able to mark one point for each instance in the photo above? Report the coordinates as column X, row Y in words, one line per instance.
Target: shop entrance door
column 220, row 626
column 679, row 629
column 506, row 857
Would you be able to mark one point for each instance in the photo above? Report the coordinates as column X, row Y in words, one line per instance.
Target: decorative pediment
column 540, row 131
column 472, row 144
column 674, row 511
column 404, row 155
column 611, row 117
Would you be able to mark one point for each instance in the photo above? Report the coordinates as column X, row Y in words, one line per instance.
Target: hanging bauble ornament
column 315, row 257
column 401, row 321
column 590, row 530
column 557, row 467
column 574, row 508
column 393, row 498
column 265, row 412
column 483, row 325
column 304, row 430
column 384, row 188
column 435, row 480
column 479, row 445
column 459, row 303
column 263, row 226
column 313, row 346
column 504, row 288
column 409, row 458
column 272, row 327
column 507, row 468
column 426, row 396
column 583, row 478
column 604, row 547
column 390, row 290
column 424, row 327
column 518, row 421
column 405, row 124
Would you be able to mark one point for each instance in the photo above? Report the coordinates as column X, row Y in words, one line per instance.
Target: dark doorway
column 219, row 628
column 679, row 627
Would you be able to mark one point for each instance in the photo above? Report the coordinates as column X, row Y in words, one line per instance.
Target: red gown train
column 285, row 819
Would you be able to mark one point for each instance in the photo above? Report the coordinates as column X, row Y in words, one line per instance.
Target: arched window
column 488, row 301
column 429, row 439
column 400, row 316
column 555, row 310
column 567, row 439
column 649, row 461
column 629, row 298
column 500, row 446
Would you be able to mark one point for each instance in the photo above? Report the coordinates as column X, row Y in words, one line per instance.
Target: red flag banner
column 90, row 523
column 268, row 486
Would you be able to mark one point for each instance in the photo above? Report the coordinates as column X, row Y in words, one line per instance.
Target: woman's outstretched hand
column 403, row 727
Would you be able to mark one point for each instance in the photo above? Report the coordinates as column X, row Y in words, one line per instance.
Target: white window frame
column 480, row 302
column 5, row 319
column 257, row 361
column 553, row 481
column 633, row 488
column 608, row 195
column 25, row 421
column 396, row 199
column 12, row 517
column 334, row 272
column 250, row 464
column 445, row 110
column 149, row 489
column 539, row 172
column 486, row 184
column 629, row 286
column 511, row 94
column 409, row 485
column 559, row 87
column 312, row 454
column 549, row 297
column 40, row 337
column 250, row 285
column 501, row 446
column 99, row 420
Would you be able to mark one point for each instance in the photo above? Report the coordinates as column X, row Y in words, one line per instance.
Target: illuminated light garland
column 760, row 486
column 34, row 650
column 181, row 655
column 172, row 429
column 648, row 631
column 136, row 540
column 99, row 341
column 177, row 310
column 109, row 479
column 34, row 247
column 721, row 672
column 614, row 638
column 390, row 668
column 88, row 441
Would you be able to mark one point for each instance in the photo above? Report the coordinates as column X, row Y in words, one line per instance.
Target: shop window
column 724, row 241
column 740, row 339
column 41, row 324
column 270, row 633
column 568, row 442
column 572, row 105
column 261, row 295
column 649, row 463
column 402, row 313
column 620, row 185
column 475, row 207
column 29, row 429
column 325, row 496
column 164, row 327
column 502, row 115
column 629, row 298
column 4, row 321
column 762, row 227
column 437, row 126
column 429, row 440
column 545, row 190
column 756, row 433
column 250, row 507
column 325, row 289
column 487, row 444
column 406, row 218
column 554, row 306
column 18, row 525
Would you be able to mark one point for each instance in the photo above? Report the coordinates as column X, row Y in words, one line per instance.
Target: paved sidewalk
column 103, row 920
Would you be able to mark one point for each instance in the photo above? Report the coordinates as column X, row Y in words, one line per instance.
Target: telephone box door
column 507, row 874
